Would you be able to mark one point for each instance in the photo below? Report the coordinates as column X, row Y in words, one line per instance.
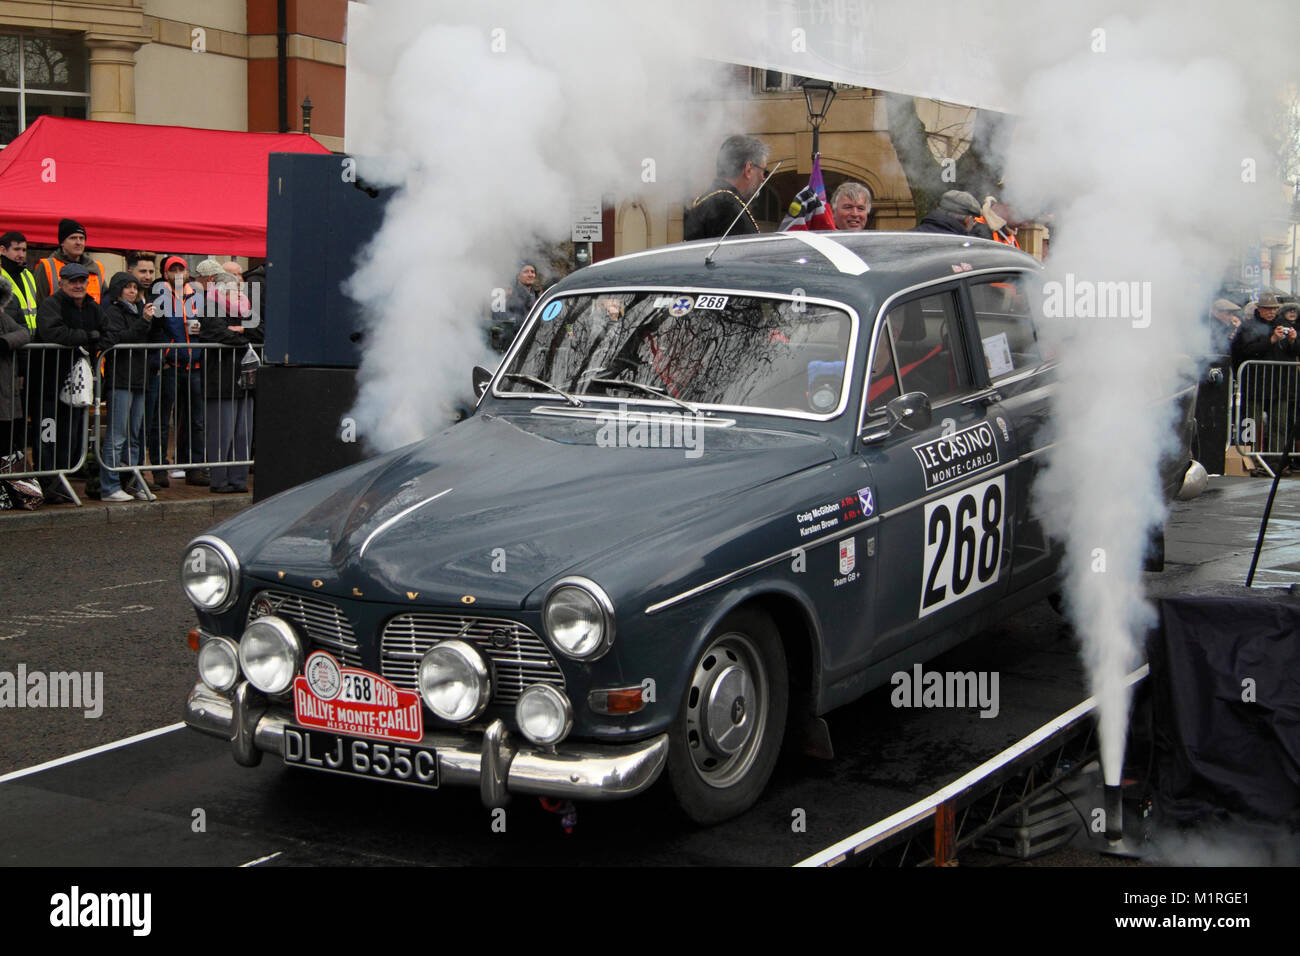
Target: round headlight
column 270, row 654
column 544, row 715
column 219, row 663
column 579, row 618
column 208, row 574
column 454, row 681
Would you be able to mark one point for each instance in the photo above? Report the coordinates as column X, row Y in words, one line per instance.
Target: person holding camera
column 1270, row 390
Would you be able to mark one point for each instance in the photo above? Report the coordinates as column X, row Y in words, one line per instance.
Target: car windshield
column 737, row 351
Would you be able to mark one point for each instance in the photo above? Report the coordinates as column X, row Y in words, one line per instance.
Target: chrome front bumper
column 497, row 764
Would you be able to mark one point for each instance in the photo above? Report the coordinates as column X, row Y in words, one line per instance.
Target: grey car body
column 809, row 525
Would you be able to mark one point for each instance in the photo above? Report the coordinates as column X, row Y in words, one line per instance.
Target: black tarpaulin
column 1225, row 681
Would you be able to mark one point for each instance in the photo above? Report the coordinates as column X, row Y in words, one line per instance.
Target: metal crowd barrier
column 1264, row 405
column 203, row 386
column 49, row 438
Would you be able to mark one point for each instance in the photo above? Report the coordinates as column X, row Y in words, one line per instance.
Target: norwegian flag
column 810, row 210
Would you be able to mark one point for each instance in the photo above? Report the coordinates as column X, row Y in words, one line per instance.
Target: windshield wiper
column 533, row 380
column 653, row 390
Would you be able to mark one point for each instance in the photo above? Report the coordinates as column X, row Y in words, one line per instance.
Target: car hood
column 495, row 506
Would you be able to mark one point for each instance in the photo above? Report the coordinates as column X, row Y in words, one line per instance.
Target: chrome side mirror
column 481, row 377
column 911, row 412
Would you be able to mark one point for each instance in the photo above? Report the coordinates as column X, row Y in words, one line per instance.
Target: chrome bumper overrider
column 496, row 763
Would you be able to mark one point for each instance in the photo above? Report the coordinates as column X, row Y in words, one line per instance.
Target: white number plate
column 963, row 544
column 711, row 301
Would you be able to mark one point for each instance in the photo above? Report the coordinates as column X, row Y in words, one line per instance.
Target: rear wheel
column 727, row 735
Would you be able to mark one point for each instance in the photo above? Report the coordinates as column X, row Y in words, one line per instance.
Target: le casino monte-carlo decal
column 958, row 455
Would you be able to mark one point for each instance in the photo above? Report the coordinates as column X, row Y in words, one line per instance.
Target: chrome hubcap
column 727, row 717
column 726, row 710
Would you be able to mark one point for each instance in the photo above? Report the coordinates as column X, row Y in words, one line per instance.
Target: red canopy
column 132, row 186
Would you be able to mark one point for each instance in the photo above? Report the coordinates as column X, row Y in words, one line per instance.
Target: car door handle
column 983, row 398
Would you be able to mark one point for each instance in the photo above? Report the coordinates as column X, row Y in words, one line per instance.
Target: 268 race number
column 963, row 544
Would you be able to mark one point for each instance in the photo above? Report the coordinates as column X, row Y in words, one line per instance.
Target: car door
column 1018, row 367
column 943, row 494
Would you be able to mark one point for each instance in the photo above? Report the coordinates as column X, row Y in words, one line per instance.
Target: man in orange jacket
column 72, row 248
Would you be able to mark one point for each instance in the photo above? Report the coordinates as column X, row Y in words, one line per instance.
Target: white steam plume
column 1135, row 137
column 1135, row 148
column 494, row 118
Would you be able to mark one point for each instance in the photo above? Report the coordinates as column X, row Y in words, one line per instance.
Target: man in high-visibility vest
column 13, row 259
column 994, row 216
column 72, row 248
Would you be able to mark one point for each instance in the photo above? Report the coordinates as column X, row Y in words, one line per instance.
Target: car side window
column 1004, row 316
column 925, row 343
column 882, row 387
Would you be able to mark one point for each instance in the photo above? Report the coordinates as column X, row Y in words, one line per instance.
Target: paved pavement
column 177, row 500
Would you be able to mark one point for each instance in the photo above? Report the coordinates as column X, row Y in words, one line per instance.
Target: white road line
column 135, row 584
column 125, row 742
column 923, row 808
column 261, row 859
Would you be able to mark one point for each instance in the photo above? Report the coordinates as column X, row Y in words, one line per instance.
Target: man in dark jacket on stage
column 741, row 168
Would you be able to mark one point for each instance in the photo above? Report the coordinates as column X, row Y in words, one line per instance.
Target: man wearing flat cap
column 72, row 248
column 1267, row 390
column 955, row 214
column 1225, row 323
column 69, row 316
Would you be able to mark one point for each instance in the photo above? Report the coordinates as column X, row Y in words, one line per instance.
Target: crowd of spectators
column 1261, row 330
column 174, row 353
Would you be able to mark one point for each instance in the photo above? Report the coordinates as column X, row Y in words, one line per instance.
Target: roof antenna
column 708, row 260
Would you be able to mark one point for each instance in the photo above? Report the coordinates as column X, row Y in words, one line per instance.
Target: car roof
column 821, row 263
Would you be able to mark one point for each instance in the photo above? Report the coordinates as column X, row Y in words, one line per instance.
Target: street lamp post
column 818, row 96
column 1295, row 218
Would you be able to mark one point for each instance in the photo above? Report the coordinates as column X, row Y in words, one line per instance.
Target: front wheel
column 727, row 735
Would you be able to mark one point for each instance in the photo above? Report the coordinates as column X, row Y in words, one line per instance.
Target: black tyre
column 728, row 731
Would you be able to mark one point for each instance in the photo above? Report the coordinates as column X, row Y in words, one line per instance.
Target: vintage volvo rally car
column 712, row 491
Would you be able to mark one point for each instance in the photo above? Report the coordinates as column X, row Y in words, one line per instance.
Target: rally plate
column 360, row 757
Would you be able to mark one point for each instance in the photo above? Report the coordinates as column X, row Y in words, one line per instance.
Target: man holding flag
column 809, row 210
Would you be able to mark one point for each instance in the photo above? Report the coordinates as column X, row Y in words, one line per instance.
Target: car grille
column 324, row 623
column 519, row 658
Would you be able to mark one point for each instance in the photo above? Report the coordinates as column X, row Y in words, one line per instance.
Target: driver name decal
column 958, row 455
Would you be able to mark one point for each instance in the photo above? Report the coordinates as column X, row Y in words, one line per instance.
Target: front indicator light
column 617, row 700
column 544, row 715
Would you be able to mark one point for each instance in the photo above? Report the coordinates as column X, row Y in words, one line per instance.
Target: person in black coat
column 68, row 317
column 124, row 378
column 956, row 214
column 228, row 401
column 741, row 168
column 1268, row 391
